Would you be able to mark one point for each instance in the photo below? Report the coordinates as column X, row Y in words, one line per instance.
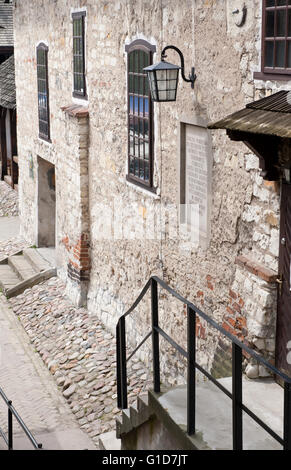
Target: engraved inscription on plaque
column 197, row 176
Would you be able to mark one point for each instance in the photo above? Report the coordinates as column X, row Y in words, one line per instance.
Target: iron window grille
column 43, row 91
column 276, row 37
column 140, row 115
column 79, row 86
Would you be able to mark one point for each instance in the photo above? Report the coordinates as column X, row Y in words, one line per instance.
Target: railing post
column 237, row 417
column 191, row 372
column 155, row 335
column 10, row 427
column 121, row 364
column 287, row 416
column 118, row 367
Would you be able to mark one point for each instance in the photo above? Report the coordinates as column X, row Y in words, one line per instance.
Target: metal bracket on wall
column 242, row 16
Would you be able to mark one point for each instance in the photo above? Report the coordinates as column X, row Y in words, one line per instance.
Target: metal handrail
column 12, row 412
column 192, row 365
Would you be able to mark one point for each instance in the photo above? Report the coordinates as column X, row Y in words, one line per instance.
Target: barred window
column 140, row 115
column 43, row 93
column 79, row 54
column 276, row 40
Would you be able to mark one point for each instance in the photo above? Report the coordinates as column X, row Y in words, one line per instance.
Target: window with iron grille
column 140, row 114
column 276, row 40
column 43, row 92
column 79, row 54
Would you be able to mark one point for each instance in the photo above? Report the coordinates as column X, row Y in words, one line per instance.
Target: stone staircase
column 130, row 419
column 24, row 269
column 159, row 421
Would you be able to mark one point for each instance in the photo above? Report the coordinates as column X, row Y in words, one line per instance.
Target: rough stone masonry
column 89, row 142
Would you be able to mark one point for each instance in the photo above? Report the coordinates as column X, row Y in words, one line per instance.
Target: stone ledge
column 76, row 110
column 257, row 269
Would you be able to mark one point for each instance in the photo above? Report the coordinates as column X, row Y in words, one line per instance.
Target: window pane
column 136, row 167
column 147, row 171
column 270, row 3
column 131, row 151
column 146, row 128
column 281, row 22
column 146, row 60
column 146, row 150
column 280, row 53
column 289, row 22
column 281, row 2
column 136, row 83
column 146, row 106
column 135, row 61
column 130, row 62
column 141, row 170
column 270, row 24
column 131, row 126
column 135, row 105
column 131, row 165
column 289, row 55
column 269, row 54
column 141, row 61
column 130, row 83
column 140, row 127
column 136, row 145
column 141, row 106
column 131, row 104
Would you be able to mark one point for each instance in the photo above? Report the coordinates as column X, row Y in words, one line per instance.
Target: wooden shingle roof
column 6, row 24
column 7, row 84
column 269, row 116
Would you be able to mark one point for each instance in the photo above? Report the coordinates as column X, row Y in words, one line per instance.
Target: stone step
column 22, row 268
column 36, row 260
column 29, row 282
column 134, row 416
column 109, row 441
column 8, row 278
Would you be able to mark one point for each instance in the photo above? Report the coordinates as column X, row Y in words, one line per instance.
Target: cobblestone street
column 76, row 349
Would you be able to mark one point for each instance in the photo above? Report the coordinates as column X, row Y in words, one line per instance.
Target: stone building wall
column 111, row 270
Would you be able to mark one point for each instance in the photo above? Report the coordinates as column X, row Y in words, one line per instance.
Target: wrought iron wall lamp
column 163, row 77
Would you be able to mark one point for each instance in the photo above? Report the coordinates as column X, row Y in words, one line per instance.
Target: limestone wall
column 244, row 209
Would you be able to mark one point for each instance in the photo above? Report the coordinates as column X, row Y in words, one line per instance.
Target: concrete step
column 8, row 278
column 18, row 273
column 133, row 417
column 22, row 268
column 36, row 260
column 214, row 415
column 109, row 441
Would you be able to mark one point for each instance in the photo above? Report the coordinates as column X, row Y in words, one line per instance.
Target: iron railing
column 12, row 412
column 237, row 348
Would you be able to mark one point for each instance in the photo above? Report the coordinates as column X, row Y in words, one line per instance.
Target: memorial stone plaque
column 197, row 178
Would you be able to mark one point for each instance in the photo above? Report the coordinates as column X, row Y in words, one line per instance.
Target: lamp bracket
column 192, row 75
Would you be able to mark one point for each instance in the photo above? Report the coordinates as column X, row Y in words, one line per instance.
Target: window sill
column 272, row 76
column 139, row 187
column 80, row 96
column 45, row 139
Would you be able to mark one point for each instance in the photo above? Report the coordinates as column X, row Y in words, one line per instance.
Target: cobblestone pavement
column 26, row 381
column 79, row 353
column 9, row 207
column 8, row 200
column 8, row 247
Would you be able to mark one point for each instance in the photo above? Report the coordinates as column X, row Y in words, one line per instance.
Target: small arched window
column 140, row 114
column 43, row 92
